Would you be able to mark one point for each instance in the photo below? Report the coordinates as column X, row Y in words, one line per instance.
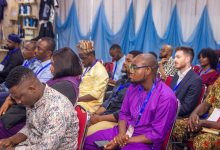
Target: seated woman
column 202, row 140
column 66, row 69
column 208, row 60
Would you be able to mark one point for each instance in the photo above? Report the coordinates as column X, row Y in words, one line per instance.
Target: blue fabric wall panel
column 146, row 39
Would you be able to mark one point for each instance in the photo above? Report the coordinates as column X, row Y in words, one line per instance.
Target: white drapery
column 189, row 12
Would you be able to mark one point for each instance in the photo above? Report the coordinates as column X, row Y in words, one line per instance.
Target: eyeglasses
column 134, row 67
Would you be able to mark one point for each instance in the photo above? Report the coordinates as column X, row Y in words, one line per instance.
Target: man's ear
column 148, row 70
column 188, row 59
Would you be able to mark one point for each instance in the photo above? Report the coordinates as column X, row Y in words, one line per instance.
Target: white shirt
column 182, row 75
column 117, row 74
column 45, row 74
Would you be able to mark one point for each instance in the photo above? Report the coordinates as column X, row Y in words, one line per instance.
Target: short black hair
column 134, row 53
column 153, row 53
column 186, row 50
column 17, row 75
column 51, row 45
column 115, row 46
column 32, row 43
column 66, row 63
column 211, row 55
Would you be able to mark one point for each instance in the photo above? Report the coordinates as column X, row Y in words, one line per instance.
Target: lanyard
column 44, row 67
column 176, row 87
column 116, row 65
column 9, row 53
column 89, row 68
column 200, row 73
column 121, row 87
column 144, row 104
column 28, row 63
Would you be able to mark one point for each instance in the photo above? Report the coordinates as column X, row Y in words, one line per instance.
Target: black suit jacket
column 15, row 59
column 188, row 92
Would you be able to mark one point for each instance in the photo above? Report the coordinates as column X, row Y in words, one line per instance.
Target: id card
column 130, row 131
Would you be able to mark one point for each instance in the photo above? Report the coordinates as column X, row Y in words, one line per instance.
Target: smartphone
column 101, row 144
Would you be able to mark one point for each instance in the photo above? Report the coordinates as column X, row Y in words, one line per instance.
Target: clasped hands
column 194, row 123
column 120, row 140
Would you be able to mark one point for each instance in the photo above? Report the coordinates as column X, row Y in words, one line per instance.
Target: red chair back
column 168, row 80
column 202, row 95
column 109, row 67
column 83, row 117
column 166, row 141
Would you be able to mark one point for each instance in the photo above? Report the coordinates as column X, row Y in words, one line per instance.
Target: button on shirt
column 51, row 124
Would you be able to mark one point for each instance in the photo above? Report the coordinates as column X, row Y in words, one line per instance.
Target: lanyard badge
column 130, row 129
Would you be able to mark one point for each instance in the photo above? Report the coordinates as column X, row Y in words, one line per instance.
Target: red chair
column 166, row 142
column 109, row 67
column 203, row 93
column 84, row 118
column 168, row 80
column 189, row 143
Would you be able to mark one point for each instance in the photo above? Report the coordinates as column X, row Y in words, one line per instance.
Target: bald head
column 148, row 60
column 166, row 51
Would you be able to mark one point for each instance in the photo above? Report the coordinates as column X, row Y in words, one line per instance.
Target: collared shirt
column 158, row 116
column 32, row 64
column 117, row 74
column 94, row 83
column 182, row 75
column 45, row 75
column 51, row 124
column 169, row 67
column 114, row 101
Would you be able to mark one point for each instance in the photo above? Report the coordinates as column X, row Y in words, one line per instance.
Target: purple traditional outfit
column 155, row 122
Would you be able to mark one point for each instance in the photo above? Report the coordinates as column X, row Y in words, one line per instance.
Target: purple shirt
column 158, row 116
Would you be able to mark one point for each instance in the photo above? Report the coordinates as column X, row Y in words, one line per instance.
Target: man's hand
column 95, row 118
column 121, row 139
column 8, row 102
column 193, row 122
column 111, row 82
column 111, row 145
column 6, row 143
column 163, row 61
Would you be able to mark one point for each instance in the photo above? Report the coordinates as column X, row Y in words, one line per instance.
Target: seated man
column 186, row 83
column 28, row 53
column 166, row 64
column 147, row 113
column 107, row 115
column 13, row 58
column 201, row 140
column 51, row 123
column 12, row 115
column 118, row 59
column 94, row 78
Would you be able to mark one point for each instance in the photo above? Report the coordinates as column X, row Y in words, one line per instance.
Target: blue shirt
column 45, row 74
column 32, row 64
column 117, row 74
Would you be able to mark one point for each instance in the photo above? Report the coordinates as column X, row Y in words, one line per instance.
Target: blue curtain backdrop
column 146, row 39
